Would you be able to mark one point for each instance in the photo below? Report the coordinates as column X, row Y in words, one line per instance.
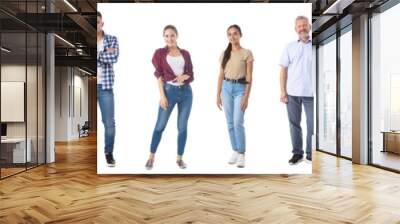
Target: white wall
column 70, row 83
column 80, row 103
column 33, row 127
column 16, row 73
column 61, row 103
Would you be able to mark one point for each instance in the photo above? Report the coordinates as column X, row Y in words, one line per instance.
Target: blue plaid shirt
column 106, row 61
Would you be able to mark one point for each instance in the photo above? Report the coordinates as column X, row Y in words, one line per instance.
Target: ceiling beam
column 78, row 61
column 85, row 25
column 338, row 6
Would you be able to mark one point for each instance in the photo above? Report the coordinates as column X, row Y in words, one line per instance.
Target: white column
column 360, row 90
column 50, row 92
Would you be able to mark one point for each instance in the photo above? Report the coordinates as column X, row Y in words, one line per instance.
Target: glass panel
column 41, row 99
column 31, row 86
column 31, row 99
column 23, row 88
column 346, row 94
column 13, row 87
column 327, row 97
column 385, row 83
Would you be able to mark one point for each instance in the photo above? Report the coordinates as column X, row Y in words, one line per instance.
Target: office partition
column 22, row 77
column 385, row 89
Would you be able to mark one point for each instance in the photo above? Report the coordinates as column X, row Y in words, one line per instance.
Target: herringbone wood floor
column 70, row 191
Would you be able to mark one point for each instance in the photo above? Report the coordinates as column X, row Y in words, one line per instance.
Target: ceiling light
column 64, row 40
column 70, row 5
column 86, row 72
column 338, row 6
column 5, row 50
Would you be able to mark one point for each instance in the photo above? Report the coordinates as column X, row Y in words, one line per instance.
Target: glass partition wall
column 334, row 89
column 22, row 77
column 13, row 89
column 385, row 90
column 334, row 72
column 327, row 96
column 345, row 61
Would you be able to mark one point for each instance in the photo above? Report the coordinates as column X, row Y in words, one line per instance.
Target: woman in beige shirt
column 234, row 85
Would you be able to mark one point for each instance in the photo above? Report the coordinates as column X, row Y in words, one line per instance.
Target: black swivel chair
column 84, row 130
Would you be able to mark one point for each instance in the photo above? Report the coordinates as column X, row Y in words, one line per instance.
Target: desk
column 391, row 141
column 13, row 150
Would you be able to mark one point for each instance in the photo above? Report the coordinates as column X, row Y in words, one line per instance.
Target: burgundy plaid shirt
column 163, row 69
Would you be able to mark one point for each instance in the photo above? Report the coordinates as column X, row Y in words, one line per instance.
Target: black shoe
column 110, row 160
column 295, row 159
column 308, row 159
column 149, row 164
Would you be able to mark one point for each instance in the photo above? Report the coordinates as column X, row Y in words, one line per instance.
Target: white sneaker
column 233, row 158
column 240, row 161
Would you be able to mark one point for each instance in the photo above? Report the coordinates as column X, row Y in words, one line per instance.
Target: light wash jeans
column 232, row 94
column 106, row 103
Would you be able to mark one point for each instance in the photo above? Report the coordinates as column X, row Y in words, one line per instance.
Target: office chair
column 84, row 130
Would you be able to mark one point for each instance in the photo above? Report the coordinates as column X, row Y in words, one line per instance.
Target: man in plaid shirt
column 107, row 55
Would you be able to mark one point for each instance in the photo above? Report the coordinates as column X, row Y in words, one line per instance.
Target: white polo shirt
column 297, row 57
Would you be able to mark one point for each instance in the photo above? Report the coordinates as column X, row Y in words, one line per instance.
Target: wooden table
column 391, row 141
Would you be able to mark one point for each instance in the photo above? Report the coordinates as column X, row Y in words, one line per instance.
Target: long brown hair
column 227, row 52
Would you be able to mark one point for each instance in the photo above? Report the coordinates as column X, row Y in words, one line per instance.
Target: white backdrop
column 266, row 28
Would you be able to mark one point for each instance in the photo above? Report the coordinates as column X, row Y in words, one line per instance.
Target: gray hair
column 302, row 18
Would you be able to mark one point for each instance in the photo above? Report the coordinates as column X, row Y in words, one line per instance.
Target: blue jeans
column 232, row 94
column 294, row 113
column 106, row 103
column 181, row 95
